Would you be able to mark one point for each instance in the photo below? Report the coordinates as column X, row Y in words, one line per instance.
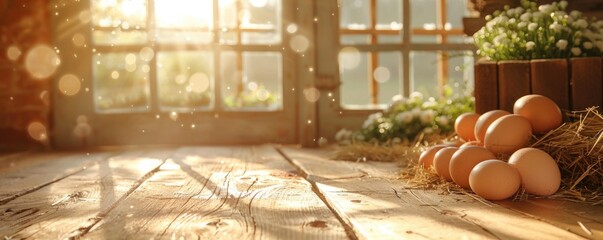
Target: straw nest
column 577, row 146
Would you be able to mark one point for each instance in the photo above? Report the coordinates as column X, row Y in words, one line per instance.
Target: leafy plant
column 408, row 118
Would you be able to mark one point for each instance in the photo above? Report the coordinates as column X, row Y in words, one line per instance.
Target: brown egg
column 472, row 143
column 507, row 134
column 542, row 112
column 463, row 161
column 494, row 180
column 484, row 121
column 464, row 126
column 426, row 157
column 441, row 162
column 539, row 172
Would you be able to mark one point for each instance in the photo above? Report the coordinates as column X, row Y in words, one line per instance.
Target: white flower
column 587, row 45
column 427, row 116
column 546, row 8
column 530, row 45
column 525, row 17
column 500, row 40
column 532, row 26
column 598, row 24
column 343, row 134
column 522, row 24
column 562, row 4
column 429, row 104
column 404, row 117
column 416, row 96
column 556, row 27
column 537, row 15
column 580, row 24
column 599, row 45
column 398, row 98
column 442, row 120
column 575, row 14
column 512, row 21
column 561, row 44
column 576, row 51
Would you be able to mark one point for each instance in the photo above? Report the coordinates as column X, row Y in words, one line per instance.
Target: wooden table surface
column 254, row 192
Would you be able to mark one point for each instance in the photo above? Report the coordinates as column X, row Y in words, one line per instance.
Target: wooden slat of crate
column 513, row 82
column 586, row 77
column 486, row 86
column 222, row 193
column 550, row 78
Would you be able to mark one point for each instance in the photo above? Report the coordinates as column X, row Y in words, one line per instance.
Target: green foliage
column 408, row 118
column 539, row 32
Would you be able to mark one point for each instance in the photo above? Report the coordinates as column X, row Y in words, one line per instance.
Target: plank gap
column 347, row 225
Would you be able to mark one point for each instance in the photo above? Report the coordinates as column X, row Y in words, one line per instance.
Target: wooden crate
column 574, row 84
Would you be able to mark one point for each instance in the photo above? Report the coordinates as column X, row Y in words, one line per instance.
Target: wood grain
column 75, row 202
column 486, row 86
column 550, row 78
column 386, row 207
column 513, row 83
column 223, row 193
column 42, row 169
column 586, row 86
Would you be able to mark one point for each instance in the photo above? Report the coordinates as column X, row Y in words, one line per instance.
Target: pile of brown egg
column 474, row 164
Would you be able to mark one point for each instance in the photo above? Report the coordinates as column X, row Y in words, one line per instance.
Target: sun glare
column 184, row 13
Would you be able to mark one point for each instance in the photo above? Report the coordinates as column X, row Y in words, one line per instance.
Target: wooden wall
column 23, row 99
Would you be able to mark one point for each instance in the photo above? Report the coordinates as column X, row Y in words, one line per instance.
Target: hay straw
column 577, row 146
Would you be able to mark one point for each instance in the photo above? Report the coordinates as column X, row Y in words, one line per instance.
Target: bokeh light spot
column 69, row 84
column 381, row 74
column 349, row 58
column 311, row 94
column 299, row 43
column 292, row 28
column 78, row 40
column 13, row 53
column 146, row 54
column 41, row 61
column 37, row 131
column 199, row 82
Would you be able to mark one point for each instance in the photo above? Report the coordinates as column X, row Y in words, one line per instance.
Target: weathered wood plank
column 369, row 203
column 563, row 215
column 379, row 208
column 37, row 171
column 77, row 201
column 222, row 193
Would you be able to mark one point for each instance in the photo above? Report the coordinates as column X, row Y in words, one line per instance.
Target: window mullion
column 406, row 46
column 374, row 87
column 216, row 50
column 154, row 82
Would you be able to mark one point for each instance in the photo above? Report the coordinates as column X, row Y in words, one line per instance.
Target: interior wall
column 23, row 99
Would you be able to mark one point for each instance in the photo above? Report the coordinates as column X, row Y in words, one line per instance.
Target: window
column 379, row 58
column 176, row 72
column 187, row 55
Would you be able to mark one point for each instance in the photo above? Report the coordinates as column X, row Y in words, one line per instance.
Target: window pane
column 185, row 80
column 424, row 73
column 354, row 73
column 184, row 20
column 119, row 22
column 389, row 17
column 460, row 69
column 121, row 82
column 263, row 19
column 119, row 14
column 388, row 74
column 423, row 16
column 456, row 10
column 257, row 86
column 355, row 14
